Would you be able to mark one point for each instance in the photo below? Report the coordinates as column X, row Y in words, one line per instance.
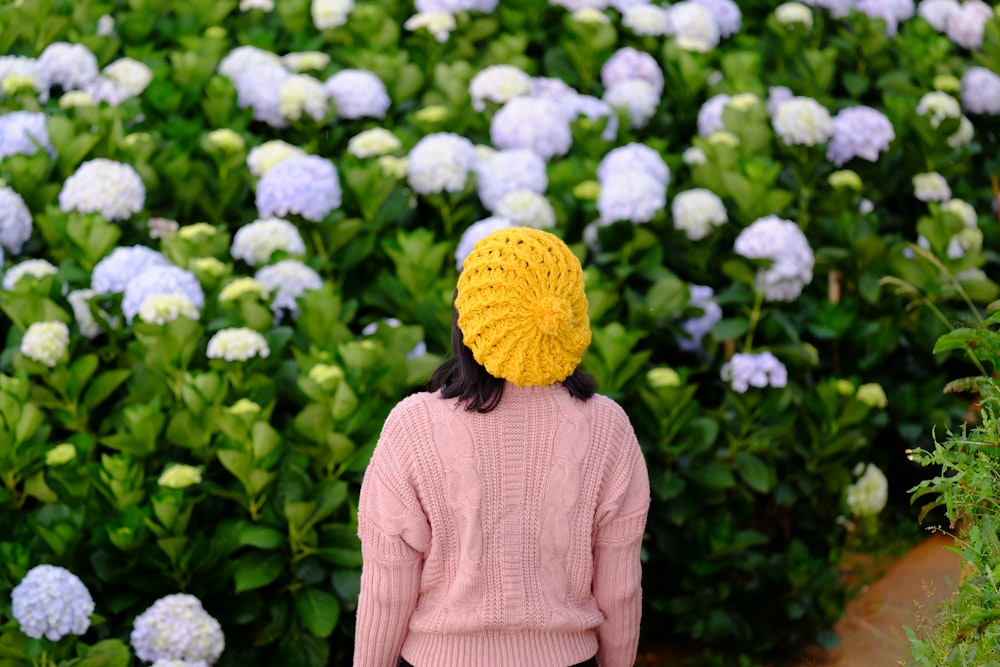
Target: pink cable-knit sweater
column 505, row 539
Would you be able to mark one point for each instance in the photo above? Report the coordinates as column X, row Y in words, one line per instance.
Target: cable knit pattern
column 505, row 538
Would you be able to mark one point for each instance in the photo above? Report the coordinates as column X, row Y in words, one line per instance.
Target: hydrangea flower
column 51, row 602
column 861, row 132
column 880, row 9
column 70, row 66
column 372, row 143
column 963, row 209
column 938, row 107
column 534, row 123
column 301, row 95
column 937, row 12
column 261, row 159
column 498, row 83
column 244, row 59
column 113, row 189
column 594, row 109
column 36, row 268
column 440, row 162
column 160, row 280
column 256, row 87
column 240, row 286
column 475, row 233
column 634, row 156
column 636, row 97
column 46, row 343
column 438, row 24
column 263, row 5
column 129, row 74
column 789, row 13
column 967, row 24
column 628, row 63
column 697, row 211
column 873, row 395
column 776, row 96
column 328, row 14
column 29, row 70
column 981, row 91
column 163, row 308
column 305, row 61
column 693, row 26
column 105, row 25
column 177, row 627
column 697, row 327
column 180, row 663
column 576, row 5
column 237, row 344
column 287, row 280
column 710, row 114
column 802, row 121
column 762, row 369
column 868, row 495
column 122, row 266
column 15, row 220
column 23, row 132
column 726, row 14
column 358, row 93
column 256, row 242
column 509, row 170
column 306, row 185
column 79, row 301
column 525, row 208
column 782, row 242
column 631, row 195
column 837, row 8
column 646, row 19
column 931, row 186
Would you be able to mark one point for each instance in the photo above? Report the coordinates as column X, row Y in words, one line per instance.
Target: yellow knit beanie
column 522, row 308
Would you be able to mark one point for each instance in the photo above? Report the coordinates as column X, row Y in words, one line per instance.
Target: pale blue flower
column 628, row 63
column 505, row 171
column 475, row 233
column 537, row 124
column 306, row 185
column 115, row 271
column 634, row 156
column 726, row 13
column 631, row 195
column 937, row 12
column 177, row 627
column 15, row 220
column 161, row 280
column 358, row 93
column 760, row 370
column 70, row 66
column 287, row 280
column 52, row 602
column 981, row 91
column 697, row 327
column 440, row 162
column 791, row 258
column 28, row 68
column 861, row 132
column 967, row 24
column 23, row 133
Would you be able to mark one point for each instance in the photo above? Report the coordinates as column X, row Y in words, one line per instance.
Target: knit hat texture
column 522, row 308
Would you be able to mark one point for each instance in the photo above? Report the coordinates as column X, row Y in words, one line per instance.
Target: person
column 502, row 514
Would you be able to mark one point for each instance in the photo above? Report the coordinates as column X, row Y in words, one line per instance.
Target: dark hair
column 464, row 378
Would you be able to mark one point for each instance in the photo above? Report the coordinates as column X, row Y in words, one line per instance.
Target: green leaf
column 714, row 475
column 754, row 472
column 257, row 569
column 262, row 537
column 103, row 386
column 318, row 610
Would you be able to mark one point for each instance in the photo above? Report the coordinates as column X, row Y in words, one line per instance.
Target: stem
column 755, row 317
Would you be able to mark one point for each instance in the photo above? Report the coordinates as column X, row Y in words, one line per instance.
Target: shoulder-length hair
column 464, row 378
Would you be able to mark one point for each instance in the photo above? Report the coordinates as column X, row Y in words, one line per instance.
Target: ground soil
column 905, row 594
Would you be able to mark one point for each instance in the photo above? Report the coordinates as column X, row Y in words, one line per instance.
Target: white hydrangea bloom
column 475, row 233
column 868, row 495
column 692, row 26
column 646, row 19
column 963, row 135
column 180, row 663
column 782, row 242
column 534, row 123
column 631, row 195
column 788, row 13
column 104, row 89
column 245, row 58
column 938, row 106
column 36, row 268
column 122, row 265
column 74, row 99
column 963, row 209
column 129, row 74
column 113, row 189
column 237, row 344
column 637, row 97
column 981, row 91
column 726, row 14
column 307, row 185
column 82, row 314
column 697, row 212
column 263, row 5
column 28, row 70
column 438, row 24
column 163, row 308
column 70, row 66
column 859, row 131
column 328, row 14
column 967, row 24
column 628, row 63
column 22, row 132
column 46, row 342
column 256, row 242
column 105, row 25
column 256, row 87
column 261, row 159
column 505, row 171
column 931, row 186
column 15, row 220
column 358, row 93
column 160, row 280
column 498, row 83
column 287, row 280
column 697, row 327
column 693, row 156
column 440, row 162
column 937, row 12
column 634, row 157
column 802, row 121
column 240, row 286
column 526, row 208
column 51, row 602
column 761, row 369
column 305, row 61
column 302, row 95
column 177, row 627
column 374, row 142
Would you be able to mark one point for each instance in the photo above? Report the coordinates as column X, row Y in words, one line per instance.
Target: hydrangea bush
column 231, row 232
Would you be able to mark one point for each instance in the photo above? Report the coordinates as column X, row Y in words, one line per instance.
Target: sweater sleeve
column 395, row 536
column 621, row 522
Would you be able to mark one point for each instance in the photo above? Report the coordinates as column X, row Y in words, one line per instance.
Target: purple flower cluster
column 861, row 132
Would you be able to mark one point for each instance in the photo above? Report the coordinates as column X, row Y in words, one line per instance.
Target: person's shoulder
column 606, row 405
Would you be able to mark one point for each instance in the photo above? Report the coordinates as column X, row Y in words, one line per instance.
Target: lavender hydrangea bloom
column 726, row 13
column 358, row 93
column 30, row 69
column 859, row 131
column 305, row 185
column 634, row 156
column 631, row 195
column 628, row 63
column 692, row 26
column 23, row 132
column 880, row 9
column 15, row 220
column 981, row 91
column 534, row 123
column 697, row 327
column 635, row 96
column 51, row 602
column 177, row 627
column 506, row 171
column 122, row 266
column 440, row 162
column 710, row 114
column 967, row 24
column 937, row 12
column 255, row 90
column 113, row 189
column 475, row 233
column 161, row 280
column 595, row 109
column 762, row 369
column 287, row 280
column 70, row 66
column 782, row 242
